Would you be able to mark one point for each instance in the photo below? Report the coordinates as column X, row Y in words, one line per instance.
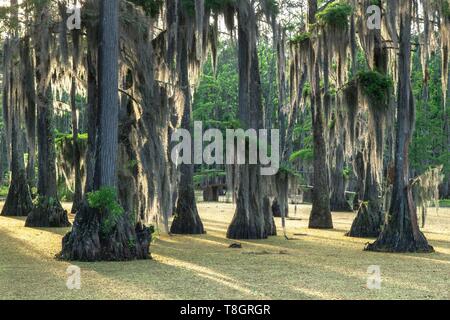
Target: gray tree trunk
column 78, row 194
column 320, row 217
column 30, row 108
column 88, row 241
column 187, row 219
column 18, row 201
column 249, row 221
column 401, row 232
column 48, row 212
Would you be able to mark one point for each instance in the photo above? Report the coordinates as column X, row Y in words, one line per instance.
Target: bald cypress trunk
column 282, row 178
column 29, row 87
column 371, row 217
column 78, row 194
column 320, row 217
column 48, row 212
column 446, row 186
column 187, row 219
column 18, row 201
column 89, row 240
column 92, row 105
column 249, row 221
column 445, row 191
column 6, row 134
column 338, row 200
column 401, row 232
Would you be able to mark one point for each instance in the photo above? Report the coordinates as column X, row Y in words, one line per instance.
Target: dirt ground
column 315, row 264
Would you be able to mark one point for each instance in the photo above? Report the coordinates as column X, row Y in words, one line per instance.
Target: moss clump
column 375, row 86
column 300, row 38
column 307, row 90
column 66, row 137
column 271, row 6
column 105, row 200
column 306, row 154
column 335, row 15
column 375, row 3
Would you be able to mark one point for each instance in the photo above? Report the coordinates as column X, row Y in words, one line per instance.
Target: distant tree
column 48, row 211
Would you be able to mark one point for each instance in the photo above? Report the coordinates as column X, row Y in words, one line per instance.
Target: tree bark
column 211, row 194
column 30, row 108
column 401, row 232
column 249, row 221
column 92, row 105
column 18, row 202
column 338, row 200
column 87, row 241
column 320, row 217
column 370, row 218
column 48, row 212
column 186, row 220
column 78, row 193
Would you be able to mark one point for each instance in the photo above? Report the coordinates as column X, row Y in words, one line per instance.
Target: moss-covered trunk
column 78, row 192
column 249, row 221
column 320, row 217
column 338, row 200
column 90, row 239
column 186, row 219
column 401, row 232
column 48, row 211
column 29, row 88
column 18, row 202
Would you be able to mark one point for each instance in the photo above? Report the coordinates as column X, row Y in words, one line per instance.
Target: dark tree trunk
column 30, row 108
column 282, row 187
column 270, row 226
column 286, row 130
column 108, row 120
column 3, row 158
column 445, row 190
column 18, row 202
column 88, row 241
column 48, row 212
column 249, row 221
column 320, row 217
column 401, row 232
column 211, row 194
column 370, row 218
column 92, row 105
column 78, row 194
column 6, row 132
column 338, row 200
column 186, row 219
